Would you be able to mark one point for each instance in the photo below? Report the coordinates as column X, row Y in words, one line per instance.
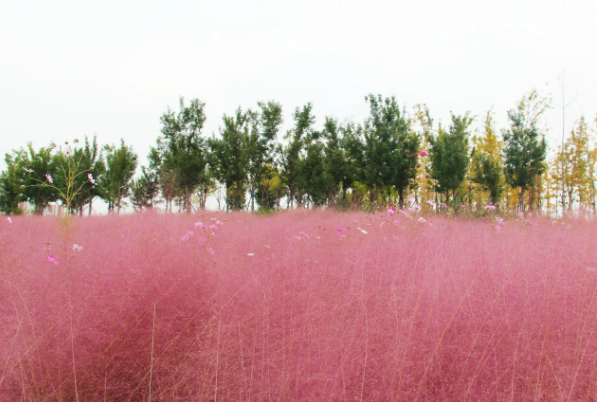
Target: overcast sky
column 75, row 68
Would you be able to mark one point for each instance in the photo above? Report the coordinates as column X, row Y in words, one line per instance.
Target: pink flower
column 415, row 154
column 197, row 224
column 49, row 178
column 340, row 229
column 423, row 153
column 9, row 220
column 391, row 211
column 211, row 251
column 185, row 237
column 90, row 177
column 213, row 227
column 463, row 206
column 521, row 214
column 498, row 227
column 53, row 260
column 531, row 214
column 390, row 204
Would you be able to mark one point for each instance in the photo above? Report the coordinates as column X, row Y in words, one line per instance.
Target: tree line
column 394, row 156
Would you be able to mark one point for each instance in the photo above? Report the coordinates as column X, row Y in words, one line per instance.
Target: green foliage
column 487, row 167
column 230, row 156
column 11, row 181
column 290, row 155
column 180, row 157
column 144, row 189
column 121, row 165
column 524, row 152
column 449, row 154
column 38, row 164
column 260, row 153
column 72, row 180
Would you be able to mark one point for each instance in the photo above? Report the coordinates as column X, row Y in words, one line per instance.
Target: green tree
column 290, row 155
column 486, row 161
column 313, row 178
column 74, row 167
column 260, row 149
column 144, row 189
column 229, row 159
column 449, row 154
column 11, row 180
column 379, row 144
column 181, row 153
column 524, row 152
column 38, row 164
column 121, row 164
column 337, row 166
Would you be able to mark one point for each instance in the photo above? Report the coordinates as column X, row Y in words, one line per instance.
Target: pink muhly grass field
column 301, row 306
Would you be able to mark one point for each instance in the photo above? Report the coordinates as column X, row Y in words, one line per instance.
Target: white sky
column 75, row 68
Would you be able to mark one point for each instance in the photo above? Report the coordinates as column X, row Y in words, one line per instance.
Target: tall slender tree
column 181, row 152
column 486, row 161
column 260, row 148
column 524, row 152
column 450, row 155
column 229, row 158
column 290, row 155
column 121, row 164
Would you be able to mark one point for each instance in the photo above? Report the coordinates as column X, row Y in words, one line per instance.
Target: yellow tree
column 592, row 176
column 576, row 152
column 423, row 187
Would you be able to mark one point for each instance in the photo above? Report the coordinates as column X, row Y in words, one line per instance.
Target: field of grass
column 301, row 306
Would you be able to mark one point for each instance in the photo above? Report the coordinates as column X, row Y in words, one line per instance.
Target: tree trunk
column 521, row 198
column 532, row 198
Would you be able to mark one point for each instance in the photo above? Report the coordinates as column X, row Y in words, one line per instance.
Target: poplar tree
column 486, row 161
column 290, row 155
column 313, row 176
column 379, row 144
column 229, row 159
column 121, row 164
column 335, row 162
column 181, row 153
column 577, row 153
column 261, row 147
column 449, row 154
column 524, row 152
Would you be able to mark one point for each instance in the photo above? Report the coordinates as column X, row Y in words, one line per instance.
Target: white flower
column 9, row 219
column 250, row 254
column 76, row 247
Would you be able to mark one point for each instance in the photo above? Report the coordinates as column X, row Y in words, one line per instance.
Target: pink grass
column 406, row 312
